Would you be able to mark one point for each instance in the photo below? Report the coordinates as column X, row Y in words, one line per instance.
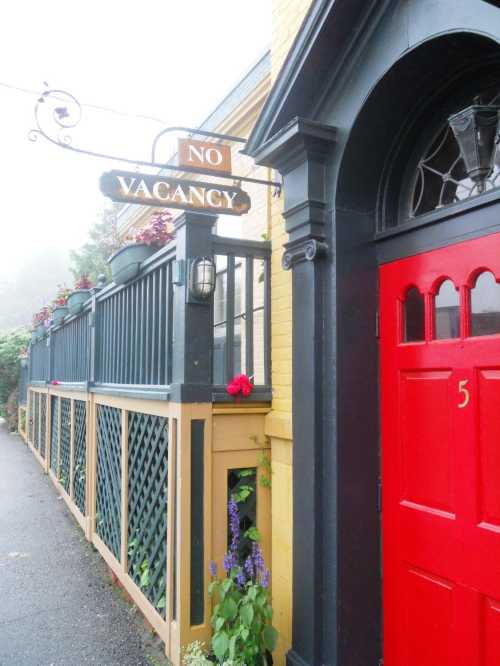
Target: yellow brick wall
column 265, row 217
column 287, row 17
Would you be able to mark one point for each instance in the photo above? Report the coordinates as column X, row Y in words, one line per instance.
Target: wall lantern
column 476, row 131
column 201, row 278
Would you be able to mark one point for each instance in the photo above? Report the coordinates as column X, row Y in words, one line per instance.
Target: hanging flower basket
column 126, row 262
column 58, row 314
column 80, row 294
column 77, row 299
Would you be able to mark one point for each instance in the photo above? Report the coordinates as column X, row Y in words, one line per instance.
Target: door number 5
column 465, row 393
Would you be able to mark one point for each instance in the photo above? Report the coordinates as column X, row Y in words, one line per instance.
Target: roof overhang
column 331, row 32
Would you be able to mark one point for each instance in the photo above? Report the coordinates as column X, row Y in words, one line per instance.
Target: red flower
column 241, row 384
column 54, row 382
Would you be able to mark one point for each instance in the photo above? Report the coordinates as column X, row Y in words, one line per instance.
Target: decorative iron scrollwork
column 58, row 111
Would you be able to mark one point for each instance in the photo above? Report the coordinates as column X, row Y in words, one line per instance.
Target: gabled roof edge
column 311, row 26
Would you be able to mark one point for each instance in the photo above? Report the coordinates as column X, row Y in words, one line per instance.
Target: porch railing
column 23, row 384
column 124, row 337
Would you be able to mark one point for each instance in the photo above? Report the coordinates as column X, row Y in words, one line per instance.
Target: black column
column 300, row 152
column 192, row 339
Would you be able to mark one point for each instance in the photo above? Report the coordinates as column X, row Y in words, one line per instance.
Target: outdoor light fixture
column 476, row 131
column 202, row 278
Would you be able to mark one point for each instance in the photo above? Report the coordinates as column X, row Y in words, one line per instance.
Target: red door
column 440, row 369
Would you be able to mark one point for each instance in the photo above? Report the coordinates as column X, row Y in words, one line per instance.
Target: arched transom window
column 441, row 178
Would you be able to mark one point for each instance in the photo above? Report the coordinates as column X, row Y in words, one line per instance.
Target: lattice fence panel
column 242, row 485
column 65, row 452
column 36, row 422
column 109, row 460
column 80, row 464
column 31, row 417
column 43, row 423
column 147, row 505
column 54, row 432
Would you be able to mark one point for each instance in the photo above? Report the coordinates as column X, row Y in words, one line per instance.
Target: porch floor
column 57, row 604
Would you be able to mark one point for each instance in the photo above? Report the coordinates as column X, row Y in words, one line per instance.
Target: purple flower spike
column 258, row 560
column 240, row 577
column 228, row 562
column 265, row 578
column 212, row 567
column 234, row 525
column 249, row 568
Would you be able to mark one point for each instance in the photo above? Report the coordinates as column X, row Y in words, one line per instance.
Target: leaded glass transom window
column 441, row 178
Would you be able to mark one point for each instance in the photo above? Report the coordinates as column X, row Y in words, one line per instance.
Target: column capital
column 300, row 152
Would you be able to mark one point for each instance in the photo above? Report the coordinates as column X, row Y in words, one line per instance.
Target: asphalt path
column 58, row 606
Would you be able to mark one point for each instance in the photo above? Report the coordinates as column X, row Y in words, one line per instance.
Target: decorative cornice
column 294, row 142
column 308, row 249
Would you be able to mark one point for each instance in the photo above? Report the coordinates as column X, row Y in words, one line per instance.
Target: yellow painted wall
column 287, row 18
column 266, row 218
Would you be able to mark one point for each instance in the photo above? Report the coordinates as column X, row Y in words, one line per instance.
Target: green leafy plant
column 80, row 472
column 242, row 615
column 195, row 654
column 10, row 346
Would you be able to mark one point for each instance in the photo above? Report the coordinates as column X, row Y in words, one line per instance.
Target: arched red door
column 440, row 391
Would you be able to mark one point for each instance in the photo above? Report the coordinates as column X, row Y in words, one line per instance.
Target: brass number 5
column 465, row 392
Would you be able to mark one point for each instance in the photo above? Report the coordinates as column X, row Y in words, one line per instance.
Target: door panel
column 441, row 458
column 426, row 442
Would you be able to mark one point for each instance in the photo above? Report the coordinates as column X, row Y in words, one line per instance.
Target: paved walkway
column 57, row 604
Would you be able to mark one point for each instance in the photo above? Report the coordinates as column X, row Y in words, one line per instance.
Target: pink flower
column 241, row 384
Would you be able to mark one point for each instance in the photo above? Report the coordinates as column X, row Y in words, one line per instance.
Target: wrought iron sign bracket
column 57, row 112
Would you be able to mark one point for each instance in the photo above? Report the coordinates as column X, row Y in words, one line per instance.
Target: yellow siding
column 265, row 217
column 287, row 18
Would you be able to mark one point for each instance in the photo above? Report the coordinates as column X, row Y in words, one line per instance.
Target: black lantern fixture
column 202, row 278
column 476, row 131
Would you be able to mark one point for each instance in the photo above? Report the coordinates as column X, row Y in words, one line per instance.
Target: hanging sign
column 147, row 190
column 204, row 155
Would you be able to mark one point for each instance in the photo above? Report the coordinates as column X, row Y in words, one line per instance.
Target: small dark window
column 447, row 311
column 485, row 306
column 242, row 487
column 414, row 316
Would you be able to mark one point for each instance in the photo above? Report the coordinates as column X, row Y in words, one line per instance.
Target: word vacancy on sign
column 137, row 188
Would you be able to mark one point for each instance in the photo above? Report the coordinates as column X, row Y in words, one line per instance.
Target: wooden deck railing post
column 91, row 465
column 124, row 493
column 50, row 365
column 192, row 347
column 72, row 450
column 92, row 370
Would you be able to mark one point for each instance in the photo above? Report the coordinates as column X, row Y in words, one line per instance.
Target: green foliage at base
column 91, row 258
column 10, row 346
column 242, row 621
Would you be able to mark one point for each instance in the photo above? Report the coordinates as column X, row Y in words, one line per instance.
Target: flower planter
column 58, row 315
column 76, row 300
column 40, row 331
column 126, row 262
column 24, row 363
